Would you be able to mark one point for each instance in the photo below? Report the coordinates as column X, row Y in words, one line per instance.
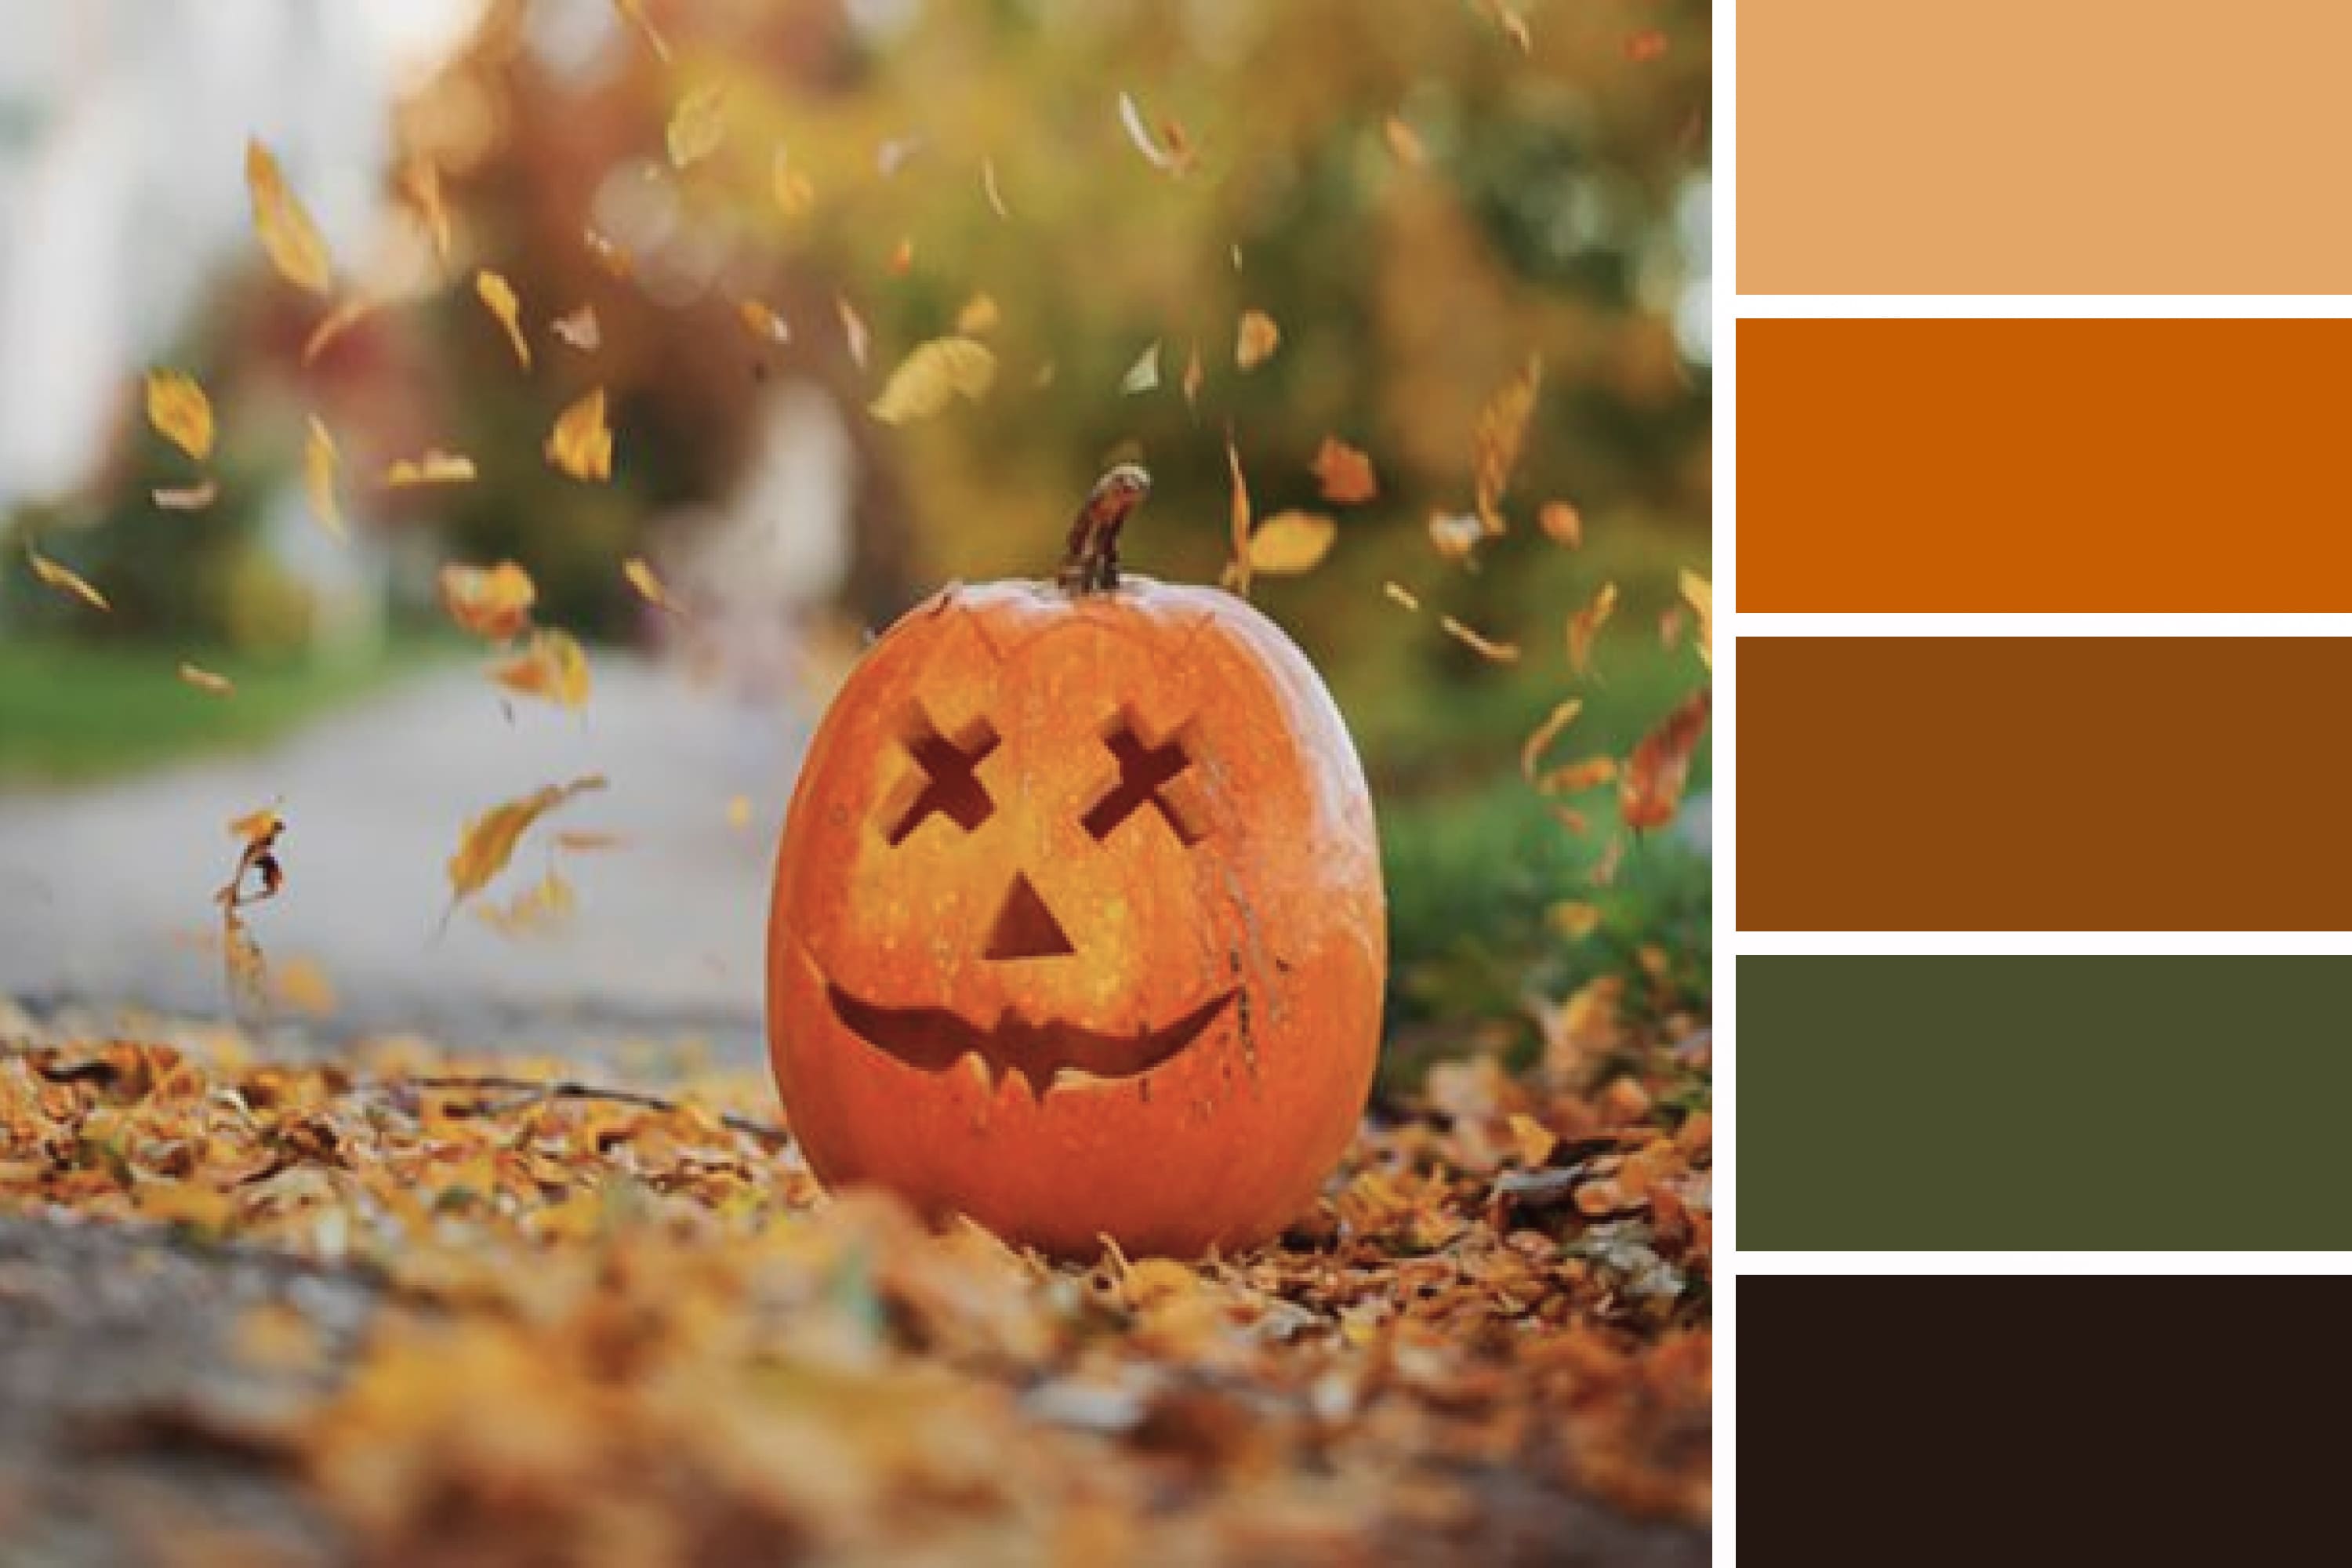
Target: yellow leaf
column 434, row 467
column 649, row 587
column 1532, row 1139
column 65, row 580
column 1256, row 340
column 1398, row 594
column 499, row 296
column 698, row 124
column 1531, row 754
column 203, row 680
column 301, row 985
column 552, row 668
column 1575, row 778
column 979, row 315
column 491, row 602
column 1699, row 595
column 1486, row 647
column 581, row 444
column 545, row 905
column 319, row 461
column 334, row 324
column 180, row 412
column 285, row 229
column 1291, row 542
column 187, row 498
column 1585, row 626
column 488, row 841
column 934, row 375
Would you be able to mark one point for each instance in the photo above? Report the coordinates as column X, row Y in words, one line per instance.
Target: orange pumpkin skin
column 1130, row 986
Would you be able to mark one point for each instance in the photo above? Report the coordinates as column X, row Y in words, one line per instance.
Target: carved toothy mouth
column 934, row 1039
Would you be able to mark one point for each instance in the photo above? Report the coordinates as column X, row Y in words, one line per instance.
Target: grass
column 71, row 713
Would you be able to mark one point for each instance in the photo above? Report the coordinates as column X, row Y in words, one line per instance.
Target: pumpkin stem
column 1091, row 564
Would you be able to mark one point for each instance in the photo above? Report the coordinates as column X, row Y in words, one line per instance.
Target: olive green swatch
column 2044, row 1102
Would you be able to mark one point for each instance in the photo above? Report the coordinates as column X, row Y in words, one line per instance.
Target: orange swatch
column 2044, row 464
column 2025, row 147
column 2044, row 784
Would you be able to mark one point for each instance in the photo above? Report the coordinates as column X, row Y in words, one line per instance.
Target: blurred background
column 735, row 218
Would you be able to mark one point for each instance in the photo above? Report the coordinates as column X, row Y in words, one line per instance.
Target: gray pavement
column 105, row 892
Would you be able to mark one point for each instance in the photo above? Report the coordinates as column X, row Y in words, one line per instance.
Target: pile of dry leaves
column 627, row 1328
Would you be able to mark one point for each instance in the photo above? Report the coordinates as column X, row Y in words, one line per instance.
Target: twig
column 561, row 1088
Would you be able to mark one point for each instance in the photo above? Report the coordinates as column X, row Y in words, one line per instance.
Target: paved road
column 104, row 892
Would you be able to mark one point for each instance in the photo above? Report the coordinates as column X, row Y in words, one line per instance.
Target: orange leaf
column 1404, row 143
column 488, row 841
column 580, row 445
column 284, row 227
column 1561, row 523
column 1585, row 626
column 334, row 324
column 1649, row 791
column 1344, row 473
column 552, row 667
column 1502, row 431
column 491, row 602
column 1256, row 340
column 1536, row 744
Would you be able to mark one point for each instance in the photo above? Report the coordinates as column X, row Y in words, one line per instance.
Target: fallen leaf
column 649, row 587
column 493, row 602
column 980, row 314
column 187, row 498
column 1531, row 752
column 497, row 296
column 1561, row 523
column 433, row 466
column 180, row 412
column 204, row 681
column 1143, row 375
column 580, row 445
column 65, row 580
column 1400, row 595
column 488, row 841
column 1699, row 595
column 854, row 334
column 697, row 125
column 763, row 322
column 579, row 330
column 552, row 667
column 285, row 229
column 319, row 461
column 1344, row 474
column 1404, row 143
column 1502, row 431
column 334, row 324
column 1291, row 542
column 1585, row 628
column 1486, row 647
column 1649, row 791
column 932, row 376
column 1530, row 1139
column 1256, row 340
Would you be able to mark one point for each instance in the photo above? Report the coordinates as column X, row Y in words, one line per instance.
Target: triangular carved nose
column 1025, row 927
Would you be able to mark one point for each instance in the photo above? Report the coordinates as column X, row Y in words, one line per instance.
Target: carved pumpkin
column 1078, row 927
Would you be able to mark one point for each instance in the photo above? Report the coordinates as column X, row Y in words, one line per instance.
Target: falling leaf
column 497, row 296
column 1404, row 143
column 1561, row 523
column 609, row 254
column 901, row 259
column 258, row 833
column 1484, row 646
column 1291, row 542
column 1575, row 778
column 1455, row 534
column 1584, row 626
column 1344, row 473
column 587, row 841
column 1176, row 159
column 285, row 229
column 649, row 587
column 1699, row 593
column 980, row 314
column 180, row 412
column 1238, row 569
column 990, row 188
column 1143, row 375
column 488, row 841
column 854, row 334
column 634, row 11
column 318, row 459
column 1513, row 25
column 794, row 195
column 763, row 322
column 1671, row 622
column 1574, row 919
column 1537, row 743
column 552, row 667
column 580, row 445
column 187, row 498
column 244, row 970
column 932, row 376
column 263, row 822
column 1502, row 431
column 203, row 680
column 1193, row 377
column 493, row 602
column 1649, row 791
column 65, row 580
column 1647, row 45
column 739, row 811
column 545, row 906
column 434, row 467
column 698, row 124
column 1400, row 595
column 334, row 324
column 579, row 330
column 420, row 182
column 1256, row 340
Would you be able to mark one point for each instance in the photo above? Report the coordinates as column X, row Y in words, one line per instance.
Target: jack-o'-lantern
column 1078, row 927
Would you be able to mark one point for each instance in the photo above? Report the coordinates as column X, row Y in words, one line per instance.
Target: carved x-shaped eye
column 947, row 780
column 1149, row 774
